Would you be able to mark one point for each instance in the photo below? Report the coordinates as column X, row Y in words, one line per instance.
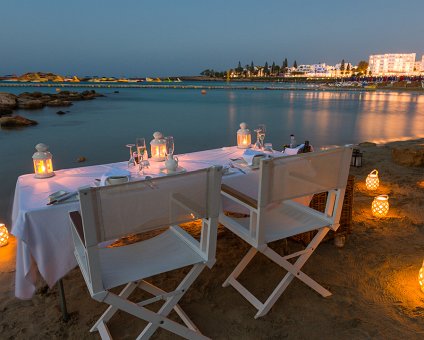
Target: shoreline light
column 42, row 159
column 372, row 182
column 380, row 206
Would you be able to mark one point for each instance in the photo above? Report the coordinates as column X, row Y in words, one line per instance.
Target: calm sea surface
column 99, row 129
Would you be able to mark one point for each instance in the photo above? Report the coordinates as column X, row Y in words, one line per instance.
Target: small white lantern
column 43, row 167
column 372, row 182
column 380, row 206
column 421, row 278
column 158, row 147
column 4, row 235
column 244, row 137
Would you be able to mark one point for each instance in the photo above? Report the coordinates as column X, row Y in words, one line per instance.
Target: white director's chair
column 275, row 216
column 112, row 212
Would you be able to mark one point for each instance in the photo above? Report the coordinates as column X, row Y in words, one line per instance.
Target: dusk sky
column 161, row 38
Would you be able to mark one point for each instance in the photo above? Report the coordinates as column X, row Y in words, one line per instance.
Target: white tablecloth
column 43, row 232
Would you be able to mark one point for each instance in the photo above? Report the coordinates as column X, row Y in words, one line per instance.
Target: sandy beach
column 373, row 279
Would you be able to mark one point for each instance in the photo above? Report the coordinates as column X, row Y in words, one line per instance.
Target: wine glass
column 141, row 149
column 131, row 160
column 169, row 145
column 261, row 133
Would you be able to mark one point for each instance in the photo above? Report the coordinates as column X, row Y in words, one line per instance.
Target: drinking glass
column 169, row 145
column 141, row 149
column 131, row 160
column 261, row 133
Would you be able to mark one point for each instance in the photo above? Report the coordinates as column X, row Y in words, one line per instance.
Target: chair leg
column 111, row 310
column 240, row 267
column 172, row 301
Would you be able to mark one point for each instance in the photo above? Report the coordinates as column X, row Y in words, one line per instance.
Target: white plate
column 179, row 170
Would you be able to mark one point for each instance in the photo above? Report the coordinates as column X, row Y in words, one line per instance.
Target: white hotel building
column 392, row 64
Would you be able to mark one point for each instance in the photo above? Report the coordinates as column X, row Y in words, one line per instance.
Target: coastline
column 374, row 278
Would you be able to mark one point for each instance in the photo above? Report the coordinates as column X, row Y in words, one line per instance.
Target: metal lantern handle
column 374, row 172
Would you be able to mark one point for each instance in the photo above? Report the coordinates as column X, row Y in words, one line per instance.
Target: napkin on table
column 114, row 173
column 249, row 154
column 293, row 151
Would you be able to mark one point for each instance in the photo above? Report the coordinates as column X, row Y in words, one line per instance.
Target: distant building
column 395, row 63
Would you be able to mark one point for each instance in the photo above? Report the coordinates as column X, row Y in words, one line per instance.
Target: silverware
column 63, row 198
column 235, row 167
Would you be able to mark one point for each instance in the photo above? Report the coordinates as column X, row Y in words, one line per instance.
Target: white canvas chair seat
column 162, row 253
column 274, row 215
column 136, row 207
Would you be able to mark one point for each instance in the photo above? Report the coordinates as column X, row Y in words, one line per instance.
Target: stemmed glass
column 260, row 136
column 131, row 161
column 262, row 131
column 169, row 145
column 141, row 149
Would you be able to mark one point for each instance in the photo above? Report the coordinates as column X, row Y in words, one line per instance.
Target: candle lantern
column 244, row 137
column 380, row 206
column 372, row 182
column 421, row 278
column 4, row 235
column 42, row 159
column 356, row 160
column 158, row 147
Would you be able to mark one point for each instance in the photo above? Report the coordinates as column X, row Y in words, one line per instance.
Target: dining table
column 44, row 240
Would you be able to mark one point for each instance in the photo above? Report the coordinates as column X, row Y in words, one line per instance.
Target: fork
column 235, row 167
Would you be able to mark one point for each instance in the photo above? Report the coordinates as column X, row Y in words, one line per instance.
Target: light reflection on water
column 99, row 129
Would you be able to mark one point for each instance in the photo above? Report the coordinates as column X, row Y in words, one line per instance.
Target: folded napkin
column 249, row 154
column 293, row 151
column 114, row 173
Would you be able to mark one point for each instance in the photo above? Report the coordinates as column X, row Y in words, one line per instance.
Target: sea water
column 99, row 129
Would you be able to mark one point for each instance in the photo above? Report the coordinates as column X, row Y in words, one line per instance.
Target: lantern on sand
column 43, row 167
column 372, row 182
column 4, row 235
column 421, row 278
column 380, row 206
column 158, row 147
column 244, row 137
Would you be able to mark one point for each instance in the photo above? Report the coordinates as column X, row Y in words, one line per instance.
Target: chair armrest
column 239, row 196
column 76, row 220
column 188, row 205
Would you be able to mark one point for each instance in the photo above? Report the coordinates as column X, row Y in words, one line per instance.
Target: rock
column 7, row 100
column 16, row 121
column 81, row 159
column 58, row 102
column 115, row 91
column 60, row 112
column 410, row 155
column 5, row 112
column 27, row 103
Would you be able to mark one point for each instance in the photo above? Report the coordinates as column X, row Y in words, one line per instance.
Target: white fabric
column 293, row 151
column 249, row 154
column 43, row 232
column 115, row 172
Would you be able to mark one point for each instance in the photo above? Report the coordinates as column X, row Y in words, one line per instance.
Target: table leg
column 65, row 315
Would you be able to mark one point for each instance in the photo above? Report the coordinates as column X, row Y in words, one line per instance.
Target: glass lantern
column 158, row 147
column 4, row 235
column 421, row 278
column 356, row 160
column 43, row 167
column 380, row 206
column 244, row 137
column 372, row 182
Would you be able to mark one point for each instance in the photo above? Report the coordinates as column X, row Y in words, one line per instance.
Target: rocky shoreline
column 37, row 100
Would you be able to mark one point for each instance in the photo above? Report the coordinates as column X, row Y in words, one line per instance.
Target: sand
column 373, row 279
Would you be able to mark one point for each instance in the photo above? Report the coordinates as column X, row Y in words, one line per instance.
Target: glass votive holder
column 268, row 147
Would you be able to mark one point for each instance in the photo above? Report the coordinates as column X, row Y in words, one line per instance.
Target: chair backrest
column 114, row 211
column 304, row 174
